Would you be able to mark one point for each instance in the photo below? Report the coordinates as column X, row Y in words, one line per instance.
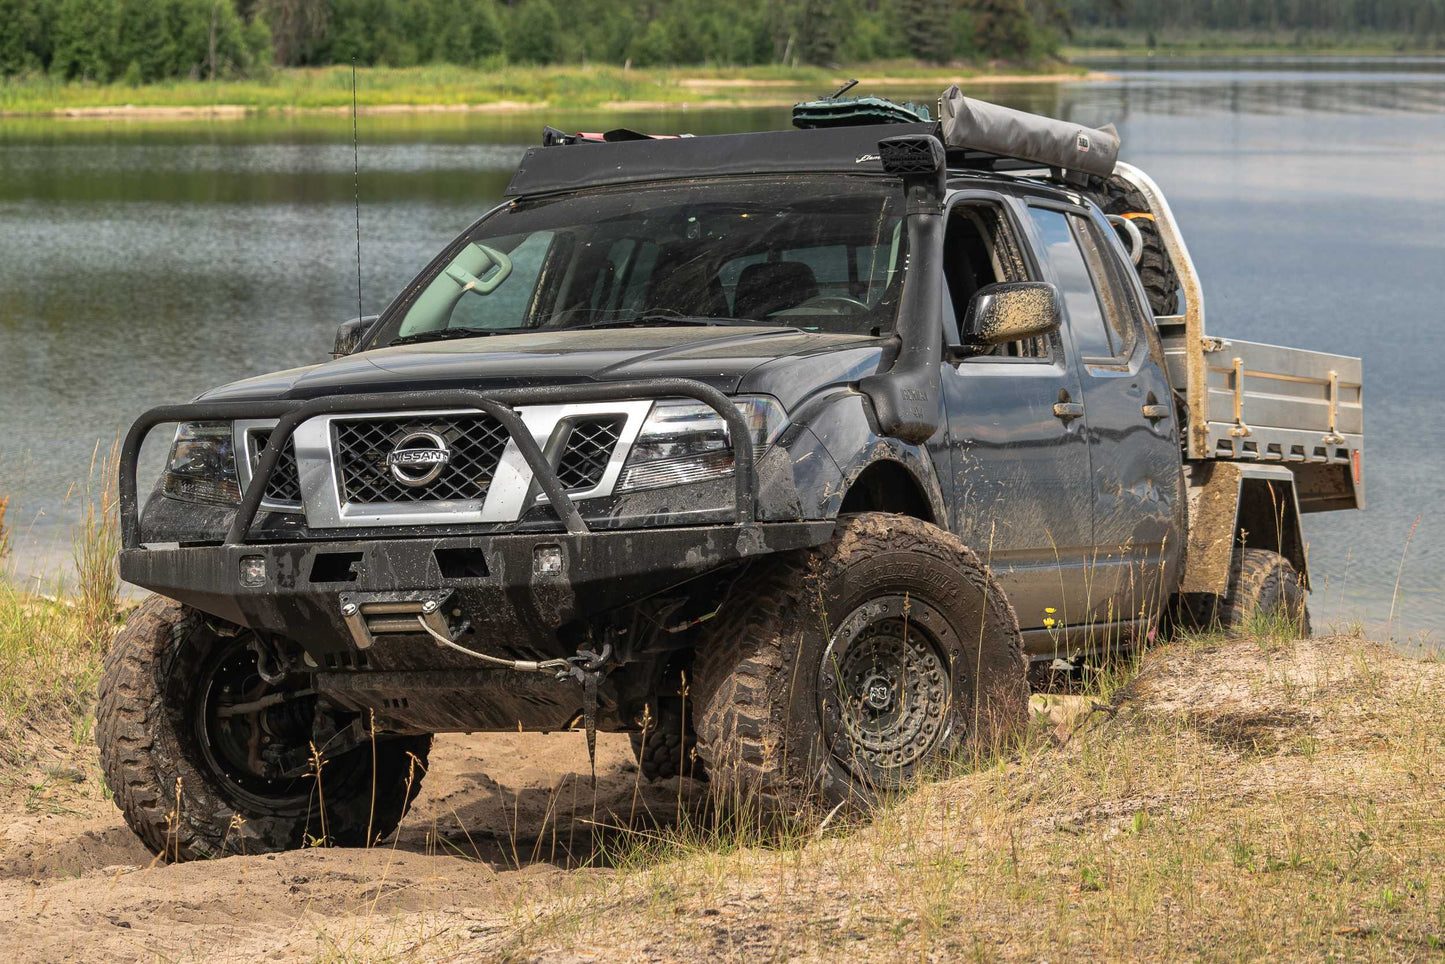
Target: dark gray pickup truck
column 784, row 452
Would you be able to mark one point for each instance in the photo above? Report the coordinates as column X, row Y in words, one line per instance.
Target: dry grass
column 1237, row 801
column 51, row 645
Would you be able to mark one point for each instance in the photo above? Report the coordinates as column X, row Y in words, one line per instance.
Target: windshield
column 819, row 254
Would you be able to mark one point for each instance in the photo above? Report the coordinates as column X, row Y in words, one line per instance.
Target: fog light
column 547, row 560
column 253, row 571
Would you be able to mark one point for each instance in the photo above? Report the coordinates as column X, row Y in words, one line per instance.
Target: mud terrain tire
column 177, row 801
column 853, row 667
column 666, row 749
column 1263, row 582
column 1156, row 271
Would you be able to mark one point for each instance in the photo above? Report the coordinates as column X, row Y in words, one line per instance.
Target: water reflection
column 142, row 262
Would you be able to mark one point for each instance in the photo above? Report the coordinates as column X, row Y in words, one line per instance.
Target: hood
column 783, row 362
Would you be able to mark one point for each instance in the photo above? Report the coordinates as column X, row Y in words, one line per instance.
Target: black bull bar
column 498, row 404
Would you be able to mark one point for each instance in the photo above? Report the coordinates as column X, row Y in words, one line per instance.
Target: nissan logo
column 418, row 458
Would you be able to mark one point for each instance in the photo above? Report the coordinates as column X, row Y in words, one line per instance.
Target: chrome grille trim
column 510, row 491
column 248, row 436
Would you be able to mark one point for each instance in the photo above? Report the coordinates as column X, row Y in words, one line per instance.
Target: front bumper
column 491, row 583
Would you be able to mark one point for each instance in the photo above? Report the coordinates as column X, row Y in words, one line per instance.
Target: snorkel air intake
column 906, row 398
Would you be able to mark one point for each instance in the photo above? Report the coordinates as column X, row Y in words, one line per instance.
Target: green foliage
column 1003, row 29
column 142, row 41
column 535, row 33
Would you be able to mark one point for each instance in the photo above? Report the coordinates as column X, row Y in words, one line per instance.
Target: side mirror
column 349, row 335
column 1013, row 311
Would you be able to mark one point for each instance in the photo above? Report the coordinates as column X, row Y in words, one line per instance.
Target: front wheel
column 848, row 670
column 205, row 758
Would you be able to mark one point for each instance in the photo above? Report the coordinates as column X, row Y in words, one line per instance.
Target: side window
column 979, row 250
column 1071, row 274
column 1104, row 267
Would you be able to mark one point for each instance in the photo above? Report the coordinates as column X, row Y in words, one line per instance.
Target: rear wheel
column 855, row 666
column 1262, row 585
column 667, row 748
column 206, row 758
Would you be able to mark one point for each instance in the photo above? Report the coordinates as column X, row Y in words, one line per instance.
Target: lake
column 142, row 262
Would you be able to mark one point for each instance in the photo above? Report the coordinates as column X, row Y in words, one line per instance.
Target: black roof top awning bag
column 977, row 125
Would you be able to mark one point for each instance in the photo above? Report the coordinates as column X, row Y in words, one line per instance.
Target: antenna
column 356, row 184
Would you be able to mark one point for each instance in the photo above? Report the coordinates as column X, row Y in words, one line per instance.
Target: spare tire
column 1156, row 271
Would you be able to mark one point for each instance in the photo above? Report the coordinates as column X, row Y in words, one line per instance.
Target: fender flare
column 844, row 425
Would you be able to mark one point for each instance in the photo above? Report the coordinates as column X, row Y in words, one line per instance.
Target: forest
column 142, row 41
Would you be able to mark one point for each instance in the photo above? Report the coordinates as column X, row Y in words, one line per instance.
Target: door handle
column 1067, row 410
column 1152, row 410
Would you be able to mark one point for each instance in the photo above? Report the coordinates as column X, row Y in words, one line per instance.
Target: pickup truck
column 787, row 453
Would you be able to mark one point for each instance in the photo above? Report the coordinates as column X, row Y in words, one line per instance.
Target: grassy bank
column 1091, row 43
column 1238, row 800
column 505, row 88
column 51, row 644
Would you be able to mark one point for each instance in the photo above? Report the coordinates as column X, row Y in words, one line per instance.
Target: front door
column 1022, row 496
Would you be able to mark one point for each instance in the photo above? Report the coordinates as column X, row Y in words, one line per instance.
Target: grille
column 589, row 446
column 285, row 482
column 475, row 442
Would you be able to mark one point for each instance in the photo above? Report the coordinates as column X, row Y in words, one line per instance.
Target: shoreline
column 709, row 93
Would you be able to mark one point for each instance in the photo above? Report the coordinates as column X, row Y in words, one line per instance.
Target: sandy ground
column 76, row 885
column 1237, row 801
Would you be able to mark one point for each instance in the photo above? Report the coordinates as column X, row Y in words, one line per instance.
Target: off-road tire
column 757, row 670
column 1156, row 271
column 1263, row 581
column 172, row 798
column 1260, row 581
column 667, row 748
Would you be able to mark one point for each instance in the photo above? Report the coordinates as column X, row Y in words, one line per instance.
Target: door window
column 979, row 250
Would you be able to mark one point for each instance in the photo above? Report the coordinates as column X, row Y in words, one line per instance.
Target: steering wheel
column 486, row 280
column 822, row 301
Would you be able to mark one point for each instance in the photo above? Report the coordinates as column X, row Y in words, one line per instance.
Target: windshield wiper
column 447, row 334
column 662, row 319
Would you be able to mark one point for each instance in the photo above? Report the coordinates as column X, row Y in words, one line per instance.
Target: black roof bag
column 976, row 125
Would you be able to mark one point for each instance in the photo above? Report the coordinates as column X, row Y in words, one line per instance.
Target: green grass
column 51, row 646
column 1095, row 43
column 453, row 86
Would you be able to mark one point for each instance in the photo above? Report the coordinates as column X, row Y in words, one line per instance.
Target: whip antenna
column 356, row 184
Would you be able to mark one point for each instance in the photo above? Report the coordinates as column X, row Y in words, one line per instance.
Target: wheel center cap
column 877, row 693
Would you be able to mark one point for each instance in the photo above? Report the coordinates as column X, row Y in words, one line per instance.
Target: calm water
column 144, row 262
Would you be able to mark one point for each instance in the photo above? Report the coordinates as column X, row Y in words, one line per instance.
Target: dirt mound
column 498, row 817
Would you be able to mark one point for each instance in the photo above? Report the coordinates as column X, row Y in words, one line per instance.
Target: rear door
column 1021, row 492
column 1129, row 418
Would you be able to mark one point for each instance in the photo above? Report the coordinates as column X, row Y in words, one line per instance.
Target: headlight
column 686, row 441
column 202, row 466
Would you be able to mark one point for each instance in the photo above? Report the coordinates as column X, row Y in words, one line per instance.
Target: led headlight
column 686, row 441
column 202, row 466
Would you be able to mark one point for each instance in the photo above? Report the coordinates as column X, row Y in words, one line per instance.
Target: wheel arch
column 886, row 485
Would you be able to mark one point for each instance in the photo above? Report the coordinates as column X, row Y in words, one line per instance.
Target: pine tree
column 925, row 29
column 533, row 37
column 820, row 29
column 1003, row 29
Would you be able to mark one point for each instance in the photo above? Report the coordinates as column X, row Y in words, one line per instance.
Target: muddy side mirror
column 1013, row 311
column 349, row 335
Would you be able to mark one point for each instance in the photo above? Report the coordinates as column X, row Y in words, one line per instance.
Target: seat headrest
column 772, row 286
